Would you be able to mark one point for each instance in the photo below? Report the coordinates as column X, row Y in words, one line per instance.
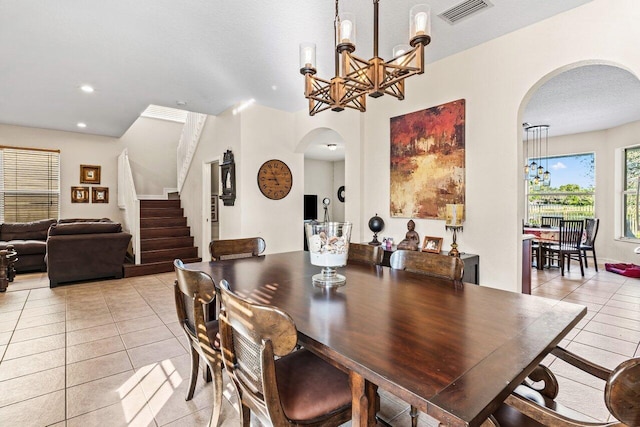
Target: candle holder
column 454, row 246
column 454, row 218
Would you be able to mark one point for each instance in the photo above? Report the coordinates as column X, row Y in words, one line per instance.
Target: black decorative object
column 341, row 193
column 376, row 224
column 228, row 178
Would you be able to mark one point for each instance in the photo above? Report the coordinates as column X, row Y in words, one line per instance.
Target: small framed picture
column 100, row 195
column 89, row 174
column 432, row 244
column 79, row 194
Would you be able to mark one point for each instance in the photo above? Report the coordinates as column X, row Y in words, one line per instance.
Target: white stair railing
column 129, row 202
column 188, row 143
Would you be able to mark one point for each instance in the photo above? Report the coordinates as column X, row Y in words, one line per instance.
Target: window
column 29, row 184
column 571, row 192
column 630, row 192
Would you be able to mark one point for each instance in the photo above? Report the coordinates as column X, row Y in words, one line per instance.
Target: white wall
column 152, row 151
column 496, row 79
column 256, row 135
column 338, row 181
column 152, row 146
column 318, row 180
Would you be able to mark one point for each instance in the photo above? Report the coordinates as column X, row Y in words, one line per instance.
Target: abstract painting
column 427, row 161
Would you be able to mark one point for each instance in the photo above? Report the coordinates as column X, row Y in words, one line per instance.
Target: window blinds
column 29, row 184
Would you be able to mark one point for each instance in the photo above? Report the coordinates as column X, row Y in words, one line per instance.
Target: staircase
column 164, row 236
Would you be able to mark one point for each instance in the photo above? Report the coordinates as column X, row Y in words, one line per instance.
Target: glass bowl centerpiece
column 328, row 248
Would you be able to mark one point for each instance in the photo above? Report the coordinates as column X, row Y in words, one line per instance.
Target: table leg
column 363, row 405
column 540, row 257
column 4, row 280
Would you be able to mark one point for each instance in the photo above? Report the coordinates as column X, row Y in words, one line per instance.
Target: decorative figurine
column 411, row 239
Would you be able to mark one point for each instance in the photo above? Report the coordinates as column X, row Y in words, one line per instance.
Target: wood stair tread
column 164, row 236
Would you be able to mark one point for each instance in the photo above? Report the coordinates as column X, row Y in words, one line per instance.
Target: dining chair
column 568, row 247
column 282, row 387
column 236, row 248
column 591, row 231
column 194, row 291
column 430, row 264
column 550, row 221
column 535, row 246
column 535, row 405
column 435, row 265
column 365, row 254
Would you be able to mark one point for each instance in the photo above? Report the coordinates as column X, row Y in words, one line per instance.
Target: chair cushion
column 309, row 387
column 508, row 416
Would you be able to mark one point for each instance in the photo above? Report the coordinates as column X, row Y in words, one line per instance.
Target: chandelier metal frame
column 355, row 77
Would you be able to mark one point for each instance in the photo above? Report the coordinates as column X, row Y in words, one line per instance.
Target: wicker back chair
column 282, row 386
column 195, row 295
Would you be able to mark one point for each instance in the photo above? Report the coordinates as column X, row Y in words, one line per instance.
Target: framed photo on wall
column 432, row 244
column 100, row 195
column 89, row 174
column 79, row 194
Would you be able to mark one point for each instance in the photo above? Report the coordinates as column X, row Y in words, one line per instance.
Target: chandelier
column 355, row 77
column 537, row 136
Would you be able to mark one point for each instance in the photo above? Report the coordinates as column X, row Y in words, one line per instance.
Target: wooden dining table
column 545, row 236
column 454, row 352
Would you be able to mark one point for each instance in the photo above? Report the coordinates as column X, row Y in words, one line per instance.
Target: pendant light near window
column 537, row 139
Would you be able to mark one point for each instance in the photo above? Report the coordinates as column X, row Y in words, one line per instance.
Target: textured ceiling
column 209, row 54
column 584, row 99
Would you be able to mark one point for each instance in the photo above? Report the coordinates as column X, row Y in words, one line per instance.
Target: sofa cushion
column 85, row 228
column 26, row 247
column 36, row 230
column 68, row 220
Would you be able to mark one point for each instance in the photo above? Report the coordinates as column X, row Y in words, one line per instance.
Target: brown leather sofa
column 29, row 239
column 83, row 250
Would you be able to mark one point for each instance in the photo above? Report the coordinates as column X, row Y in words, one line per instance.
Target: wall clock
column 341, row 193
column 275, row 179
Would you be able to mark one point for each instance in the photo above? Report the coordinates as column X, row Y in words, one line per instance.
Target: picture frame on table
column 79, row 194
column 432, row 244
column 100, row 195
column 89, row 174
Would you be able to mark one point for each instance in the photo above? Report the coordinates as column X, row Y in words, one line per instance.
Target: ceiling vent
column 464, row 10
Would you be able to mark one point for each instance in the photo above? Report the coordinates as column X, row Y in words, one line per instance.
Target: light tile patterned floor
column 111, row 352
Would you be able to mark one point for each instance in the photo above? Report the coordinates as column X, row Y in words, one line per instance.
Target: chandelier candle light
column 454, row 220
column 355, row 77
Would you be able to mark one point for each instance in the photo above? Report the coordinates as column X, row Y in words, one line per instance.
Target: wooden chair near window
column 535, row 405
column 568, row 246
column 429, row 264
column 550, row 221
column 194, row 292
column 282, row 387
column 365, row 254
column 236, row 248
column 591, row 231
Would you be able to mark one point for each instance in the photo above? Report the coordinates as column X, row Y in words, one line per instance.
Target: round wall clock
column 341, row 193
column 275, row 179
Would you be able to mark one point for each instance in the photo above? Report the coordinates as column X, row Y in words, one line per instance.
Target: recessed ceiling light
column 274, row 87
column 81, row 125
column 332, row 147
column 87, row 88
column 181, row 103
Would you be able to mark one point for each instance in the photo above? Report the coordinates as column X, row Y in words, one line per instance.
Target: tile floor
column 111, row 353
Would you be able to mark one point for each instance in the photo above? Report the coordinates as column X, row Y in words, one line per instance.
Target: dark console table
column 471, row 264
